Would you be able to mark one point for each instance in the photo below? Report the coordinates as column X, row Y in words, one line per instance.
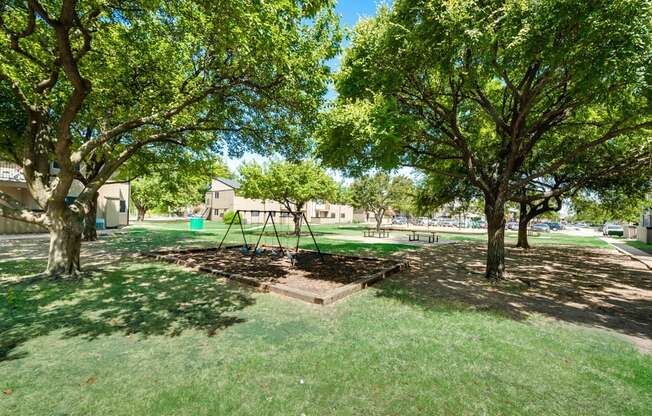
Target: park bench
column 416, row 236
column 372, row 232
column 532, row 233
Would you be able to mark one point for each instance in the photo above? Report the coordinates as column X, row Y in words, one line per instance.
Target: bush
column 229, row 216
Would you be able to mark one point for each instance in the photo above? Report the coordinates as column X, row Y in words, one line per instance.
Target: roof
column 230, row 182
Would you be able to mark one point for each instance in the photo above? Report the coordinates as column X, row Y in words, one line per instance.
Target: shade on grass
column 150, row 338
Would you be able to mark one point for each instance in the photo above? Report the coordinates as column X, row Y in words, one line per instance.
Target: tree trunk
column 65, row 228
column 297, row 223
column 141, row 213
column 379, row 219
column 90, row 232
column 523, row 222
column 495, row 213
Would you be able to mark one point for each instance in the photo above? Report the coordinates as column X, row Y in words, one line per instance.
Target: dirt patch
column 591, row 287
column 317, row 278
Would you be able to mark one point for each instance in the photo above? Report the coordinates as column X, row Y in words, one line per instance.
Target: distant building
column 644, row 231
column 222, row 197
column 112, row 203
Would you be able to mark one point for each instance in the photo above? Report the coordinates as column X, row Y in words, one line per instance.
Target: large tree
column 291, row 184
column 114, row 77
column 471, row 90
column 379, row 192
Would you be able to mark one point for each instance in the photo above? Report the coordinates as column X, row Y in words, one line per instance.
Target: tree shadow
column 594, row 287
column 128, row 298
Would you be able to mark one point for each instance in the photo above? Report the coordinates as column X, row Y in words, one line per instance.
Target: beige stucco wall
column 327, row 213
column 228, row 200
column 112, row 193
column 18, row 190
column 20, row 193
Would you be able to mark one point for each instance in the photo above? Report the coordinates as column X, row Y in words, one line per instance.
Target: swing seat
column 245, row 249
column 258, row 251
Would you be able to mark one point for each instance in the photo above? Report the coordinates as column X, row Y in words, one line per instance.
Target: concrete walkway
column 633, row 252
column 46, row 236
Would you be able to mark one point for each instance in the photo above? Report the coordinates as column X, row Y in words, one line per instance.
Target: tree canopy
column 496, row 93
column 291, row 184
column 176, row 182
column 379, row 192
column 116, row 77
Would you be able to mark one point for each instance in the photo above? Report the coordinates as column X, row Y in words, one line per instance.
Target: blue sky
column 350, row 11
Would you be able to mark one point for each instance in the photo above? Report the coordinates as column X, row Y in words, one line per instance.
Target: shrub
column 230, row 216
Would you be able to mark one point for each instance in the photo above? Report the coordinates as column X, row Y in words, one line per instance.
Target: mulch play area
column 315, row 278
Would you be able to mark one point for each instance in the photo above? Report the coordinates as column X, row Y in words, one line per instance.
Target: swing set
column 269, row 217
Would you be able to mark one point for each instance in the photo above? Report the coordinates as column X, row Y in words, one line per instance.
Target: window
column 285, row 214
column 216, row 195
column 123, row 206
column 342, row 215
column 216, row 211
column 255, row 213
column 332, row 215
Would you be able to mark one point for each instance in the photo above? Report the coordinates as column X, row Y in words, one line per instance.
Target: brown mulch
column 310, row 272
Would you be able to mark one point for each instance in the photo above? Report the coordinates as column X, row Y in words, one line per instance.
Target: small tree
column 176, row 180
column 380, row 192
column 290, row 184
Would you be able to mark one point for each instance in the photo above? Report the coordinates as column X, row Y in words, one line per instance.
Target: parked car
column 541, row 227
column 399, row 221
column 422, row 221
column 449, row 223
column 613, row 229
column 512, row 225
column 554, row 226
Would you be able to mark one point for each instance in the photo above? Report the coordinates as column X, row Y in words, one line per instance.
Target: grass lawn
column 543, row 239
column 640, row 245
column 140, row 338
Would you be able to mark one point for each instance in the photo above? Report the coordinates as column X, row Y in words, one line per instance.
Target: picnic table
column 372, row 232
column 416, row 235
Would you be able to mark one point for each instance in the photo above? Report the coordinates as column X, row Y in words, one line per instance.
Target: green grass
column 147, row 338
column 150, row 236
column 640, row 245
column 543, row 239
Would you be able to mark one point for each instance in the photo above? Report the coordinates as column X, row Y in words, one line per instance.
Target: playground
column 283, row 268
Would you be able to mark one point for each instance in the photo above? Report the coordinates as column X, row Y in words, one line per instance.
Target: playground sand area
column 311, row 276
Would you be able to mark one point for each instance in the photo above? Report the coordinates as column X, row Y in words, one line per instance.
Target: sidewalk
column 633, row 252
column 46, row 236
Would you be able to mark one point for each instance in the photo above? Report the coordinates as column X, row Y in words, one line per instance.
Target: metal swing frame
column 269, row 215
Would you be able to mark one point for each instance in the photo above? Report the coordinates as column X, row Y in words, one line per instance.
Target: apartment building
column 112, row 203
column 223, row 197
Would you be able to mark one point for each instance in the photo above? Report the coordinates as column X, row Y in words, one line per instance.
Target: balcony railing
column 11, row 172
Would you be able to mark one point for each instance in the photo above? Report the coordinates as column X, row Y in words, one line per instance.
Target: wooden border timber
column 303, row 295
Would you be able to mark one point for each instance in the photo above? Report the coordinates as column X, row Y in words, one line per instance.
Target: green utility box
column 196, row 223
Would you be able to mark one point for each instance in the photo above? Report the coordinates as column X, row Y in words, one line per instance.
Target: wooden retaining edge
column 358, row 285
column 309, row 297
